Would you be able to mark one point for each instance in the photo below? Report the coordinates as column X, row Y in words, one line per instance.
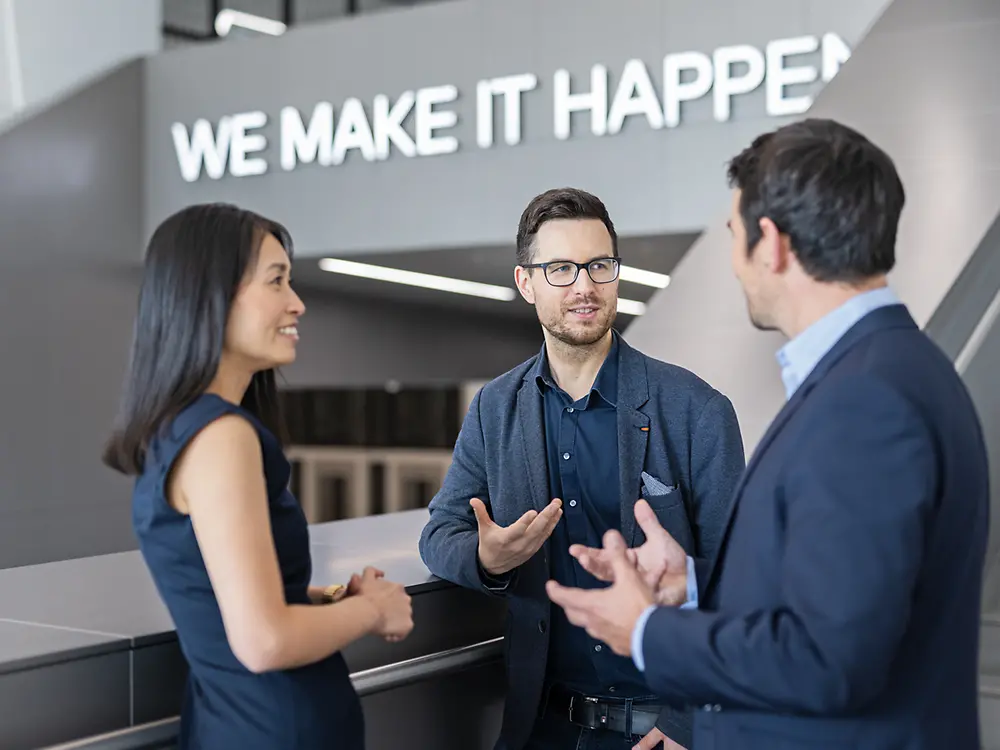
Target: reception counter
column 87, row 648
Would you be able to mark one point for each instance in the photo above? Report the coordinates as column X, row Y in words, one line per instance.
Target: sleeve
column 717, row 463
column 449, row 543
column 856, row 502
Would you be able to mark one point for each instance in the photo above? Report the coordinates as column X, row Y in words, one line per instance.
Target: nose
column 296, row 306
column 583, row 283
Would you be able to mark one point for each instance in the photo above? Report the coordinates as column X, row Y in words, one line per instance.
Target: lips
column 584, row 312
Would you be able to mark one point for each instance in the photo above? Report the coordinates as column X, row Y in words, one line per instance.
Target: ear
column 522, row 278
column 774, row 247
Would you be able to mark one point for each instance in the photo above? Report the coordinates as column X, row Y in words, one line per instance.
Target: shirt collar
column 799, row 357
column 605, row 384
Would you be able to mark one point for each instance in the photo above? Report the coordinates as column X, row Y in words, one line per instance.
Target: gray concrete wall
column 655, row 180
column 921, row 85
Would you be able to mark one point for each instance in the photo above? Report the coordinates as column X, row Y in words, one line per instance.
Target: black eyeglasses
column 565, row 272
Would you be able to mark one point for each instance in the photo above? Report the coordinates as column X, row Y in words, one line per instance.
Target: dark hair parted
column 834, row 193
column 195, row 263
column 560, row 203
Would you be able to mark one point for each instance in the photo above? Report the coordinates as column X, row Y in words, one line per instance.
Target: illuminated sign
column 235, row 145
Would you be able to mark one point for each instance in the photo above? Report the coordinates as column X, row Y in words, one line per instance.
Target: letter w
column 203, row 147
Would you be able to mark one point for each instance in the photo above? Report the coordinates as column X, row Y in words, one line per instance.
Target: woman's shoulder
column 208, row 420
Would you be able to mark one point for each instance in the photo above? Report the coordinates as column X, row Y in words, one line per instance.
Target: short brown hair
column 559, row 203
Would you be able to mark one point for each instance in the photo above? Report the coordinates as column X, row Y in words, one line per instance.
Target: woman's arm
column 219, row 482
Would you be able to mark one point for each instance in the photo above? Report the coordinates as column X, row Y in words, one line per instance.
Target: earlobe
column 773, row 243
column 523, row 283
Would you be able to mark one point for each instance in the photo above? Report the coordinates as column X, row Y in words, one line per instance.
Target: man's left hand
column 655, row 740
column 608, row 614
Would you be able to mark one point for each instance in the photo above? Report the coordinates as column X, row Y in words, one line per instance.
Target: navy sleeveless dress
column 226, row 705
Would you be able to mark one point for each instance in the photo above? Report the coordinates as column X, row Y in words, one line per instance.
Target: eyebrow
column 277, row 267
column 566, row 260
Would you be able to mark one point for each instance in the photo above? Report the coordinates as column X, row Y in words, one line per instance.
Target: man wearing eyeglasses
column 557, row 452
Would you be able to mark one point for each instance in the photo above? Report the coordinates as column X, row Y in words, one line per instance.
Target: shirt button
column 570, row 409
column 598, row 647
column 572, row 503
column 565, row 456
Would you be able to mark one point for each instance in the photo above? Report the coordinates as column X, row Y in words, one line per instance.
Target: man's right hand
column 661, row 561
column 501, row 549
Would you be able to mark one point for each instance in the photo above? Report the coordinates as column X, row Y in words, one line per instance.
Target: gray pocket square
column 653, row 487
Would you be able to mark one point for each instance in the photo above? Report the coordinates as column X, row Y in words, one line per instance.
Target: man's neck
column 820, row 300
column 575, row 367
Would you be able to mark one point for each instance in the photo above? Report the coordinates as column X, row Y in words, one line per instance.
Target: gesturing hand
column 661, row 561
column 608, row 614
column 504, row 548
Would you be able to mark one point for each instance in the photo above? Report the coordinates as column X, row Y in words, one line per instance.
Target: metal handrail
column 157, row 735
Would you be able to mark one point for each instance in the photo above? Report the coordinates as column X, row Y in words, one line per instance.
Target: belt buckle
column 602, row 720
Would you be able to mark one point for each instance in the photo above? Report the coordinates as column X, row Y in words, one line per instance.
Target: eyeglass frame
column 579, row 266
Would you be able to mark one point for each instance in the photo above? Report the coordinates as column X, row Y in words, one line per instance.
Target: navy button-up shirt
column 581, row 446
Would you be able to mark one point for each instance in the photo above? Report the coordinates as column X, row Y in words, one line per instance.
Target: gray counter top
column 55, row 610
column 386, row 542
column 27, row 645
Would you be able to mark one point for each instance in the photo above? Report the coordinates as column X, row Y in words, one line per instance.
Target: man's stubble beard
column 584, row 336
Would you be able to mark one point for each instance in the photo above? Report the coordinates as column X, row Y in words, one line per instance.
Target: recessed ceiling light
column 648, row 278
column 631, row 306
column 227, row 18
column 412, row 278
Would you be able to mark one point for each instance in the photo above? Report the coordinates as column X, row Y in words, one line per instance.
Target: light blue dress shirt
column 798, row 358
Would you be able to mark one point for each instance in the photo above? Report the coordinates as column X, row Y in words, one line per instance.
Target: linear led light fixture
column 412, row 278
column 647, row 278
column 227, row 18
column 631, row 306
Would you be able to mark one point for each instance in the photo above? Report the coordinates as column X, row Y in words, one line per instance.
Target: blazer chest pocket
column 667, row 501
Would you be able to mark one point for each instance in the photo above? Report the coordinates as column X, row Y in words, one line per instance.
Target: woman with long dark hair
column 225, row 541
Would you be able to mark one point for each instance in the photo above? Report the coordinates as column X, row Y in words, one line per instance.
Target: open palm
column 661, row 561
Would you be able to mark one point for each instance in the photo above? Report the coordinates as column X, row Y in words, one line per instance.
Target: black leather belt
column 603, row 713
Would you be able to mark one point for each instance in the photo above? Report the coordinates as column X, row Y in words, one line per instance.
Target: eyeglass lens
column 563, row 274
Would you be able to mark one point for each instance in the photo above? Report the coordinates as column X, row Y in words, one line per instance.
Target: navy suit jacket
column 843, row 608
column 670, row 423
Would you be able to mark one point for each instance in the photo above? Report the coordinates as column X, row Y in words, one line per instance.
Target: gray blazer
column 671, row 424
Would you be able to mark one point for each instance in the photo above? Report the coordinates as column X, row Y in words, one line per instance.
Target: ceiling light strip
column 647, row 278
column 412, row 278
column 631, row 306
column 228, row 18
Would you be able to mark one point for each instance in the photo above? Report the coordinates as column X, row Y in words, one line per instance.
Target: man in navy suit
column 842, row 610
column 557, row 452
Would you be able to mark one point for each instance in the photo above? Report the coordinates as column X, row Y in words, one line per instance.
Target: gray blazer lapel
column 633, row 432
column 529, row 417
column 632, row 439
